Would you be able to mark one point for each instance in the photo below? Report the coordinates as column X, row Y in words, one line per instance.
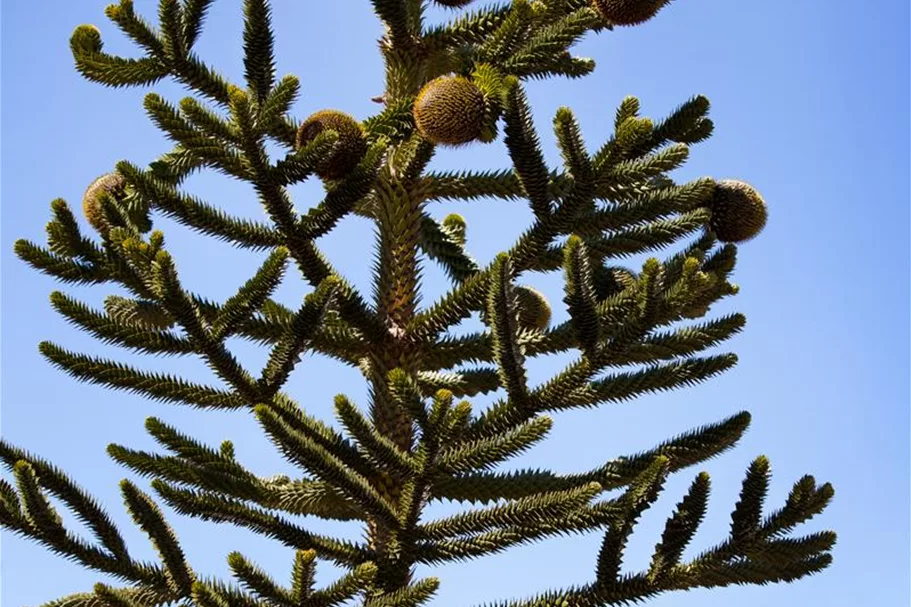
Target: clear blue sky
column 810, row 101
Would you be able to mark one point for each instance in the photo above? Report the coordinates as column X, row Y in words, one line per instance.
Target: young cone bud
column 450, row 110
column 109, row 183
column 738, row 211
column 350, row 148
column 534, row 310
column 629, row 12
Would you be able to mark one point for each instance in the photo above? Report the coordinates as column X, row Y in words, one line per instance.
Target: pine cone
column 450, row 110
column 738, row 211
column 109, row 183
column 629, row 12
column 534, row 310
column 350, row 148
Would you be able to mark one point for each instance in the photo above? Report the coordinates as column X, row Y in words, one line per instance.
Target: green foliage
column 630, row 329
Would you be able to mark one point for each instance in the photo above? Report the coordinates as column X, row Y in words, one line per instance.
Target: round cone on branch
column 450, row 110
column 534, row 310
column 109, row 183
column 628, row 12
column 349, row 149
column 738, row 211
column 454, row 3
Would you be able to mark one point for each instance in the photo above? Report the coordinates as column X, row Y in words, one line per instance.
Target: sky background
column 810, row 101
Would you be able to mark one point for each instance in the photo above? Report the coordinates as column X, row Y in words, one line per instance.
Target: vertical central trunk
column 398, row 218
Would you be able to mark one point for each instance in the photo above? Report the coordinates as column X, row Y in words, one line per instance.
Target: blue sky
column 810, row 102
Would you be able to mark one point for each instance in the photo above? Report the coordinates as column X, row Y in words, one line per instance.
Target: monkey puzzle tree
column 632, row 330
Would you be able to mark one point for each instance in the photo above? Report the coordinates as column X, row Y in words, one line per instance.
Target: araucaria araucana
column 418, row 439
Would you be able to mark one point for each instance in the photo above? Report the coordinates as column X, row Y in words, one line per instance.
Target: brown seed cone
column 109, row 183
column 738, row 211
column 450, row 110
column 629, row 12
column 534, row 311
column 350, row 148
